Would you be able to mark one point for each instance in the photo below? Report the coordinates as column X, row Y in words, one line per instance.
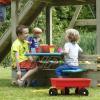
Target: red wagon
column 64, row 84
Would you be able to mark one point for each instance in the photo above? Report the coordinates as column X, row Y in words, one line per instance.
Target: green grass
column 9, row 92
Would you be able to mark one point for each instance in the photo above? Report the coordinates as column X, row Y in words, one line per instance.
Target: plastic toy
column 64, row 84
column 60, row 50
column 47, row 48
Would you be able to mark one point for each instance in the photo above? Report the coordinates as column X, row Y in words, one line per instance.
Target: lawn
column 9, row 92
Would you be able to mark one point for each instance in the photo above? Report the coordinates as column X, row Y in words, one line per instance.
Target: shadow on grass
column 5, row 83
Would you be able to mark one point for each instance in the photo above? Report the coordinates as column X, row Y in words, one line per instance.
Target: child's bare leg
column 29, row 73
column 26, row 76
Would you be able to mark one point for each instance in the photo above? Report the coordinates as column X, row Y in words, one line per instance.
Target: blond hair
column 37, row 30
column 72, row 35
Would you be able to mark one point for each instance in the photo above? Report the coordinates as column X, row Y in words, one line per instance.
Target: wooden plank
column 75, row 16
column 88, row 57
column 83, row 22
column 98, row 26
column 49, row 25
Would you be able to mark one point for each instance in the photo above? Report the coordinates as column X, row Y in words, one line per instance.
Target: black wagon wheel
column 53, row 91
column 65, row 91
column 83, row 92
column 76, row 90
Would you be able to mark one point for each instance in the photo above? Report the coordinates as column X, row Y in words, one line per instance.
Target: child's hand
column 29, row 43
column 64, row 52
column 32, row 59
column 39, row 39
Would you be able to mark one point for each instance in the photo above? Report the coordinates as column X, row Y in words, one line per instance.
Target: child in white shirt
column 71, row 51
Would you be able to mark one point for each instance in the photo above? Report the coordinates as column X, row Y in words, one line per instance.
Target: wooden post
column 49, row 25
column 98, row 26
column 14, row 17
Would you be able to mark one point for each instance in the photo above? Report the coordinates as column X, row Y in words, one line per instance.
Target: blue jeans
column 65, row 67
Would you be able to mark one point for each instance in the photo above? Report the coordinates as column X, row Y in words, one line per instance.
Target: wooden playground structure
column 33, row 8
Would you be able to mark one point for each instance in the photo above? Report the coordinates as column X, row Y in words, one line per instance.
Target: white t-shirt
column 72, row 50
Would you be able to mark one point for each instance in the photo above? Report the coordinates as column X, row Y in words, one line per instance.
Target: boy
column 19, row 61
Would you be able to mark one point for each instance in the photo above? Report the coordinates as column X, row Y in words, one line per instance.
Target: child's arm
column 29, row 42
column 80, row 50
column 39, row 39
column 17, row 64
column 31, row 58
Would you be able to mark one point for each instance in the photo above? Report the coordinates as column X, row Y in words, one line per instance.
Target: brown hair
column 19, row 29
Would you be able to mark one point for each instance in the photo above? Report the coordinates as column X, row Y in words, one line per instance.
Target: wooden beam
column 83, row 57
column 68, row 2
column 49, row 25
column 83, row 22
column 98, row 26
column 14, row 8
column 30, row 11
column 75, row 16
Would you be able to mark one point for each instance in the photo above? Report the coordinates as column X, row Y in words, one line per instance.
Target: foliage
column 7, row 61
column 88, row 42
column 87, row 12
